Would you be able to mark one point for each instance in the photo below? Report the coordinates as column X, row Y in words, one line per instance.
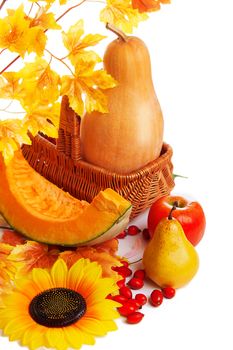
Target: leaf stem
column 2, row 4
column 2, row 51
column 69, row 9
column 58, row 19
column 60, row 60
column 13, row 61
column 30, row 9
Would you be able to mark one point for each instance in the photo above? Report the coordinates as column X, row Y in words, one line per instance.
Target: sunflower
column 61, row 307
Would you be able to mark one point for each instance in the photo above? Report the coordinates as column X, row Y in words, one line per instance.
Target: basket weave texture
column 60, row 162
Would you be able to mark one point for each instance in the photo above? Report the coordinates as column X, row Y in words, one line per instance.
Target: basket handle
column 68, row 141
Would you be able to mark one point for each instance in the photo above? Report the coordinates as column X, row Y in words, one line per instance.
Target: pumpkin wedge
column 45, row 213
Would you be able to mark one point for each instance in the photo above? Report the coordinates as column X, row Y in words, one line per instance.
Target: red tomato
column 190, row 215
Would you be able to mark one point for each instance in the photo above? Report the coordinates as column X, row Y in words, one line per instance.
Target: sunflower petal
column 74, row 337
column 27, row 287
column 59, row 273
column 103, row 287
column 110, row 325
column 91, row 274
column 16, row 301
column 56, row 338
column 75, row 274
column 92, row 326
column 42, row 279
column 102, row 311
column 16, row 327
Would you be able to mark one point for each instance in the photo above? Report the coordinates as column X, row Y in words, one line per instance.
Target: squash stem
column 117, row 31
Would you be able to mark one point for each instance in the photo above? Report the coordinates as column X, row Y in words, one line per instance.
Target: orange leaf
column 104, row 254
column 31, row 255
column 148, row 5
column 7, row 269
column 12, row 237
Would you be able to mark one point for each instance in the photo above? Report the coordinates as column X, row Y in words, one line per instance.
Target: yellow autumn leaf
column 84, row 89
column 122, row 15
column 76, row 44
column 14, row 31
column 7, row 269
column 13, row 132
column 44, row 20
column 43, row 118
column 18, row 34
column 9, row 85
column 36, row 41
column 38, row 83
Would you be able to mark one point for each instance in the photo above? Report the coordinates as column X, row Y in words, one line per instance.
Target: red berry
column 120, row 299
column 135, row 303
column 122, row 234
column 146, row 234
column 121, row 283
column 125, row 263
column 141, row 298
column 133, row 230
column 139, row 274
column 135, row 317
column 127, row 309
column 156, row 297
column 124, row 271
column 136, row 283
column 109, row 296
column 168, row 292
column 126, row 292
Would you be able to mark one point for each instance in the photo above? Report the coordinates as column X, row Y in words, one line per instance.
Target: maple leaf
column 76, row 43
column 12, row 238
column 7, row 269
column 13, row 132
column 102, row 254
column 42, row 118
column 84, row 89
column 20, row 33
column 32, row 255
column 38, row 83
column 121, row 14
column 148, row 5
column 14, row 31
column 9, row 85
column 44, row 20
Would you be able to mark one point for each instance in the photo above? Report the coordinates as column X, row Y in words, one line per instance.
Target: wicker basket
column 60, row 162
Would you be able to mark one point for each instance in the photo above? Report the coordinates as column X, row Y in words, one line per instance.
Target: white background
column 190, row 43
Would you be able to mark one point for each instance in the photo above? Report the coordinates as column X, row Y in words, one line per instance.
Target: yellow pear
column 169, row 258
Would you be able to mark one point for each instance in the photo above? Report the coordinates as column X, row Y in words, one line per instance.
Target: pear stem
column 175, row 205
column 117, row 31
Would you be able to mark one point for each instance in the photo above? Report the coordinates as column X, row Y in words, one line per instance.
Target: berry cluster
column 133, row 230
column 131, row 305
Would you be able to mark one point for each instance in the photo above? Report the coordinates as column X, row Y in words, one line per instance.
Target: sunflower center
column 57, row 307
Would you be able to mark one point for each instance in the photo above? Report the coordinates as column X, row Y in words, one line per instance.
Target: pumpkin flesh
column 41, row 211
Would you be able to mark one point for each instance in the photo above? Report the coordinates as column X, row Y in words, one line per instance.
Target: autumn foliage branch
column 36, row 86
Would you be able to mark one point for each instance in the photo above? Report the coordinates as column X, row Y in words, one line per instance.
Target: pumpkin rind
column 43, row 212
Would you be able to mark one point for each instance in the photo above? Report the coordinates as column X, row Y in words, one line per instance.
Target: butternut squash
column 131, row 134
